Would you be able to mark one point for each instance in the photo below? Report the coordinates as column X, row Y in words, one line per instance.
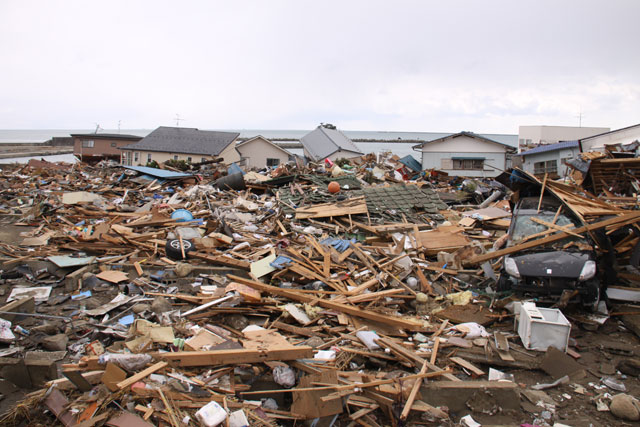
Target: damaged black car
column 566, row 268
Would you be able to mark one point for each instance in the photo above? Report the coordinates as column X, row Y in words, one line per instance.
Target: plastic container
column 541, row 328
column 182, row 215
column 211, row 414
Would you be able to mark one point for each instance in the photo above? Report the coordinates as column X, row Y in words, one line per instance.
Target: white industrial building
column 618, row 136
column 532, row 136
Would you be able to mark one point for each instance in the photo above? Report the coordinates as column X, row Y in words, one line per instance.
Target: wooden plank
column 619, row 220
column 411, row 324
column 222, row 260
column 75, row 376
column 142, row 374
column 415, row 359
column 467, row 365
column 234, row 356
column 564, row 228
column 413, row 394
column 544, row 184
column 324, row 210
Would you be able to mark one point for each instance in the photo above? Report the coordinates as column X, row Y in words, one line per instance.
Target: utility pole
column 579, row 117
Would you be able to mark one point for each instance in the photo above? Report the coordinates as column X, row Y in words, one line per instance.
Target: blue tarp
column 340, row 245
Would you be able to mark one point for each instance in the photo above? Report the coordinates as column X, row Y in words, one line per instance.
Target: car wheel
column 172, row 248
column 592, row 299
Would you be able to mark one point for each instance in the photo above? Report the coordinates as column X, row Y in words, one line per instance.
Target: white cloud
column 410, row 65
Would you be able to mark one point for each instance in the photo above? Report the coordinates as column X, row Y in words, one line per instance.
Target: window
column 136, row 156
column 113, row 144
column 550, row 166
column 148, row 157
column 468, row 164
column 273, row 162
column 188, row 159
column 87, row 143
column 124, row 158
column 175, row 158
column 204, row 159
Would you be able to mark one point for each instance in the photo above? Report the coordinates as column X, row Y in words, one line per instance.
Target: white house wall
column 230, row 155
column 435, row 161
column 439, row 155
column 257, row 151
column 558, row 155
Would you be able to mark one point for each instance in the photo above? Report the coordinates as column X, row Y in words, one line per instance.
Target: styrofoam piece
column 540, row 328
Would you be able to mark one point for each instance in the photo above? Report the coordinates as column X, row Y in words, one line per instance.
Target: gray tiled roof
column 323, row 142
column 185, row 140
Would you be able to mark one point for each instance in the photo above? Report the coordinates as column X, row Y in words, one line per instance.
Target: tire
column 594, row 296
column 172, row 248
column 504, row 284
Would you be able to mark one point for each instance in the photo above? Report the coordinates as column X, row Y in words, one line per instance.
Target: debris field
column 357, row 293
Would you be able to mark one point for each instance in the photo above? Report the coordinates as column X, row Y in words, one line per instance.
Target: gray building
column 549, row 158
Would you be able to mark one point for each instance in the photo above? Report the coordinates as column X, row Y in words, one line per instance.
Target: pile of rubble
column 366, row 293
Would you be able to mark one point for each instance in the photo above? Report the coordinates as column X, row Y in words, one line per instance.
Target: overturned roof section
column 185, row 141
column 323, row 142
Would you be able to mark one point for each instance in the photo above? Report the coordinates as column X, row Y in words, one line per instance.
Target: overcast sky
column 484, row 66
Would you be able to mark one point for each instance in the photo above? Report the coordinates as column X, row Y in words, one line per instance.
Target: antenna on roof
column 97, row 127
column 178, row 120
column 119, row 125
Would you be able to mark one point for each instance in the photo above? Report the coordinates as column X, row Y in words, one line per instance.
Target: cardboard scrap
column 113, row 276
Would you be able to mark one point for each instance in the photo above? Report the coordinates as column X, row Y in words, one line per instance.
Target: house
column 94, row 147
column 176, row 143
column 258, row 152
column 618, row 136
column 465, row 154
column 532, row 136
column 549, row 159
column 324, row 142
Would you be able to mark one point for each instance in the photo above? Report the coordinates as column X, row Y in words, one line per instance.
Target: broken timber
column 410, row 324
column 619, row 220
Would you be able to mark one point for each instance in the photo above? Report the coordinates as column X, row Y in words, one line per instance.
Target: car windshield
column 525, row 226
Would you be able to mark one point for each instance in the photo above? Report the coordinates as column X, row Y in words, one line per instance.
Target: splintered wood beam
column 140, row 375
column 234, row 356
column 222, row 260
column 413, row 394
column 618, row 220
column 410, row 324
